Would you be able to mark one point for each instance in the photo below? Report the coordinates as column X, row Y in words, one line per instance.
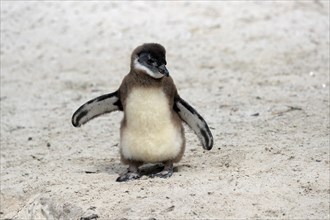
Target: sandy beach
column 258, row 72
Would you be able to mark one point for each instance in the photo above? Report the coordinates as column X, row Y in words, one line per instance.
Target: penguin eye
column 150, row 61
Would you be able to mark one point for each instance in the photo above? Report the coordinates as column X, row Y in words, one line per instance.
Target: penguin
column 151, row 130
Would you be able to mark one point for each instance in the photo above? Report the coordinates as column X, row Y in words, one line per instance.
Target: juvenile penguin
column 151, row 130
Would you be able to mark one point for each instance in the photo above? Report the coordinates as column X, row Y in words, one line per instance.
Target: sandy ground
column 257, row 71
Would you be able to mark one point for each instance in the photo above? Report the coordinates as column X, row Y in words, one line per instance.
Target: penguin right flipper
column 96, row 107
column 195, row 121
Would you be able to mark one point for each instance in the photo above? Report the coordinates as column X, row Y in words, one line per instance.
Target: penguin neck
column 144, row 79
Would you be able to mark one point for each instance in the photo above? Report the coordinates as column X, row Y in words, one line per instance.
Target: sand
column 258, row 72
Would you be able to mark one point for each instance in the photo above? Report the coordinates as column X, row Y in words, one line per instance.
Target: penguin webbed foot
column 132, row 173
column 163, row 174
column 166, row 172
column 128, row 176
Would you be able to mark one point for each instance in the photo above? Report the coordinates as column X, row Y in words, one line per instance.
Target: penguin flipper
column 96, row 107
column 195, row 121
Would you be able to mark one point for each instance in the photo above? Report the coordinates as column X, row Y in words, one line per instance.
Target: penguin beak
column 163, row 70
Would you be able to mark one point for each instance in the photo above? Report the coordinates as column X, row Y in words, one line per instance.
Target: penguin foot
column 128, row 176
column 164, row 174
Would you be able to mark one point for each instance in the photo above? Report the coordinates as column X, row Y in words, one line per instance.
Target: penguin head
column 150, row 58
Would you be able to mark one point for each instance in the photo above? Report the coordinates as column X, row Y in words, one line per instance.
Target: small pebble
column 90, row 171
column 30, row 139
column 169, row 209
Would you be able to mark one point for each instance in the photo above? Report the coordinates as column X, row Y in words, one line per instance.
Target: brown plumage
column 138, row 79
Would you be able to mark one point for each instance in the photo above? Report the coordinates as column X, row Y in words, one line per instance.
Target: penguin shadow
column 110, row 168
column 118, row 168
column 151, row 169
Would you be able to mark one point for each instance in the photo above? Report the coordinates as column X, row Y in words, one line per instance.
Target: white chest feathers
column 150, row 134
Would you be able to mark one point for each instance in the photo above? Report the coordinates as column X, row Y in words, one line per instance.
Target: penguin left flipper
column 195, row 121
column 96, row 107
